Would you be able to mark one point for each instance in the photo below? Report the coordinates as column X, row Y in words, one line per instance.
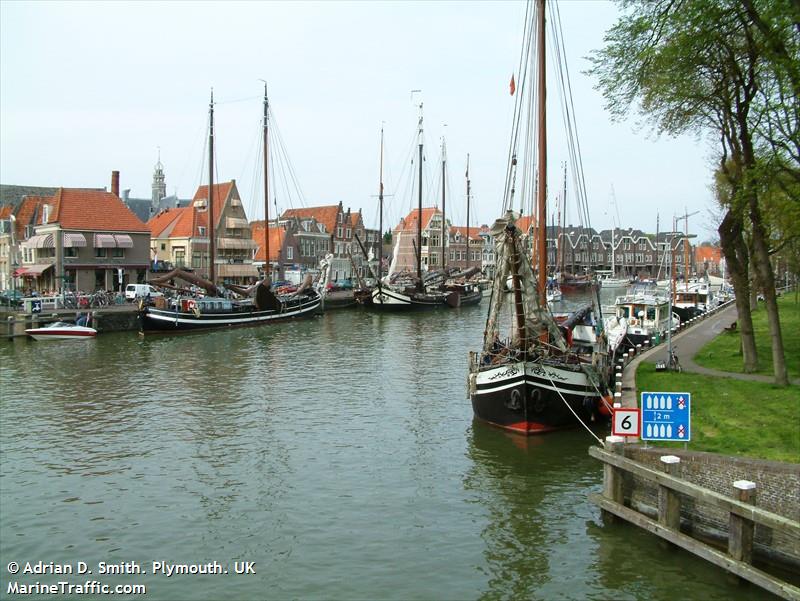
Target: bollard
column 618, row 397
column 638, row 348
column 740, row 534
column 619, row 387
column 612, row 476
column 11, row 326
column 619, row 368
column 646, row 342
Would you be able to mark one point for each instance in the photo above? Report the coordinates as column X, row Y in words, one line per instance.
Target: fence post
column 612, row 476
column 740, row 535
column 669, row 503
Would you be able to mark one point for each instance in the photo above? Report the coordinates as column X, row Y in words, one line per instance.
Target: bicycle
column 673, row 363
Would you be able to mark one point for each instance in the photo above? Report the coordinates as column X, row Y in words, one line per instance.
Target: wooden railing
column 744, row 515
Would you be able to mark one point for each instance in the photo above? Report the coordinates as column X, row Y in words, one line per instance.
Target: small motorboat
column 59, row 330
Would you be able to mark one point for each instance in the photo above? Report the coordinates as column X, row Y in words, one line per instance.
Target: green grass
column 734, row 417
column 723, row 352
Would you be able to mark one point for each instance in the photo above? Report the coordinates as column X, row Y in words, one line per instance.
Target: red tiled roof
column 26, row 212
column 525, row 222
column 221, row 193
column 462, row 230
column 409, row 222
column 325, row 215
column 177, row 223
column 93, row 210
column 5, row 211
column 712, row 254
column 276, row 237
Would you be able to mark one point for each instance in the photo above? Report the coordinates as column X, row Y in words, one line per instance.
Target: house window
column 349, row 233
column 100, row 253
column 290, row 253
column 180, row 257
column 71, row 252
column 163, row 246
column 339, row 231
column 118, row 253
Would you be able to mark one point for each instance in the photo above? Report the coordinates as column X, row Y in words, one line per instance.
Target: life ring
column 634, row 321
column 191, row 305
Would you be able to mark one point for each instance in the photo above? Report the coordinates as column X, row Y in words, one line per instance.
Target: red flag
column 513, row 86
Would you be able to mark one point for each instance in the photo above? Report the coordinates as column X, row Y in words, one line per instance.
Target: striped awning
column 41, row 241
column 36, row 270
column 73, row 240
column 123, row 241
column 236, row 223
column 104, row 241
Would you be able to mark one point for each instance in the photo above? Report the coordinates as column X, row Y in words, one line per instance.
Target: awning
column 237, row 271
column 236, row 223
column 236, row 243
column 123, row 241
column 18, row 272
column 104, row 241
column 34, row 271
column 73, row 240
column 41, row 241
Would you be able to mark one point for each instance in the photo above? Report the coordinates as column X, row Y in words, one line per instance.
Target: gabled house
column 404, row 237
column 80, row 240
column 181, row 236
column 284, row 250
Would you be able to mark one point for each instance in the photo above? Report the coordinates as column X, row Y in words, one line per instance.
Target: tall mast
column 542, row 150
column 468, row 239
column 686, row 251
column 380, row 225
column 267, row 267
column 419, row 208
column 444, row 213
column 211, row 240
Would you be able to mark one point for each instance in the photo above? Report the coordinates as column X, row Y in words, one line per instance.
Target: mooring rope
column 573, row 411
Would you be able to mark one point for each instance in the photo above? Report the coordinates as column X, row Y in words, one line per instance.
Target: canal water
column 338, row 454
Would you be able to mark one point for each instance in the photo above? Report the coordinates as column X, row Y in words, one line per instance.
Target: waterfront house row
column 76, row 239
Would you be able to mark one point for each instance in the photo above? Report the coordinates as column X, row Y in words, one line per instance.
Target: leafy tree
column 729, row 69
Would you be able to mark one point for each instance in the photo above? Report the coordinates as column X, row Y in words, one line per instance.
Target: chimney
column 115, row 183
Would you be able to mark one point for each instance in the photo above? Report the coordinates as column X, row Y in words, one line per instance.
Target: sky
column 87, row 88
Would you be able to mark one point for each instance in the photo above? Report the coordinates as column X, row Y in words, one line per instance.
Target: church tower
column 159, row 185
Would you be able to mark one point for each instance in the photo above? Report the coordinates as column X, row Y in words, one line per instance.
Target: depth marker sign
column 625, row 422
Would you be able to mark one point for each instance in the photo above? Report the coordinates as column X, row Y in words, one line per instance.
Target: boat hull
column 533, row 398
column 386, row 299
column 68, row 334
column 164, row 321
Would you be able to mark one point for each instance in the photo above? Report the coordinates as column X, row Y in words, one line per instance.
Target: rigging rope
column 573, row 411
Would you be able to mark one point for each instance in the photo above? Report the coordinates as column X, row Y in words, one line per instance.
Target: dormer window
column 201, row 231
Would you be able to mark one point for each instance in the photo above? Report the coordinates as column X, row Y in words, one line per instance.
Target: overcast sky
column 87, row 88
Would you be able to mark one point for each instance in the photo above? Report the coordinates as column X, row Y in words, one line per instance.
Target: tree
column 725, row 68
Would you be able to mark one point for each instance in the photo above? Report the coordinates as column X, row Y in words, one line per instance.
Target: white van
column 134, row 291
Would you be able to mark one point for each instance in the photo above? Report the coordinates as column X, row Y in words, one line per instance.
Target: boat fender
column 196, row 311
column 141, row 304
column 538, row 404
column 514, row 403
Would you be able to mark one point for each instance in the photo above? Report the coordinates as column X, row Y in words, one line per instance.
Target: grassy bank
column 734, row 417
column 723, row 352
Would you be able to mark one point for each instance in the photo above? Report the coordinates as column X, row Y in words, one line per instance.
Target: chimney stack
column 115, row 183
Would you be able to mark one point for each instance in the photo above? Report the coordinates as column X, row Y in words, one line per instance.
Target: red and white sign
column 625, row 422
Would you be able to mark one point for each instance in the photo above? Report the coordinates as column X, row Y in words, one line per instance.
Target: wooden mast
column 380, row 225
column 444, row 214
column 542, row 150
column 267, row 266
column 468, row 239
column 210, row 209
column 419, row 208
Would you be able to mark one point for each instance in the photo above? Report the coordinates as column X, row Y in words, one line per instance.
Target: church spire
column 159, row 185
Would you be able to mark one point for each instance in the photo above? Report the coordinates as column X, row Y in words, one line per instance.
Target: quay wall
column 777, row 490
column 117, row 319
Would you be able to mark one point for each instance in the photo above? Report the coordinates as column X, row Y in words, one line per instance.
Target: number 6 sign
column 625, row 422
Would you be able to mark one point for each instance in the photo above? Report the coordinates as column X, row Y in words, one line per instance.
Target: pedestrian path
column 687, row 344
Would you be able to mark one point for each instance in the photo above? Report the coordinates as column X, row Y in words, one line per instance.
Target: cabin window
column 626, row 311
column 651, row 313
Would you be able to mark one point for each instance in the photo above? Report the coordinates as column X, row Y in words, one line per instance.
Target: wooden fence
column 744, row 515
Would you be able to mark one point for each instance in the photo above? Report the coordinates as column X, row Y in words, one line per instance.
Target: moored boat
column 60, row 330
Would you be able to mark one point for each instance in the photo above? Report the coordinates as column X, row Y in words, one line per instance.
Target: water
column 338, row 454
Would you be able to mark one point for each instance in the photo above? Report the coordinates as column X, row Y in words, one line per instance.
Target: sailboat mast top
column 542, row 151
column 267, row 269
column 468, row 249
column 444, row 213
column 210, row 209
column 380, row 224
column 419, row 208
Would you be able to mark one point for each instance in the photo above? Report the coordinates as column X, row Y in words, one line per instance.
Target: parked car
column 134, row 291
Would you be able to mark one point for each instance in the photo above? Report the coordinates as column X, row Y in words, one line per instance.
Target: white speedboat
column 59, row 330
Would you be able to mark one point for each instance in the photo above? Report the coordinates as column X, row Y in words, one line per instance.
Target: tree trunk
column 735, row 251
column 766, row 278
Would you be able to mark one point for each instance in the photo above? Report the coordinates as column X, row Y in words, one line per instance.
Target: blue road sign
column 666, row 416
